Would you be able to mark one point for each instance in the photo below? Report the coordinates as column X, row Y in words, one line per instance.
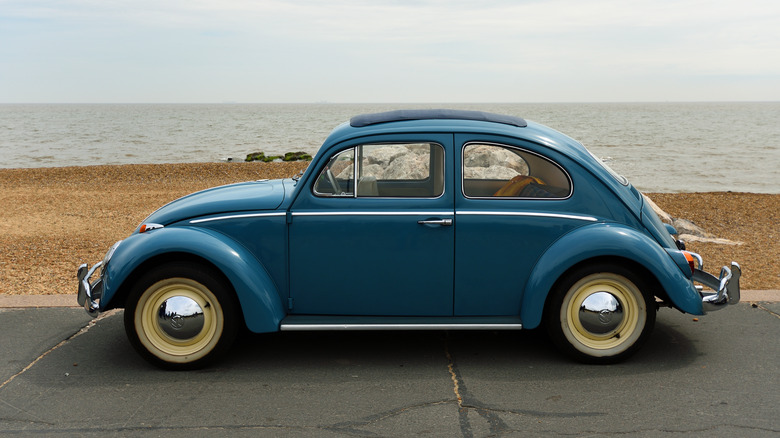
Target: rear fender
column 257, row 294
column 605, row 240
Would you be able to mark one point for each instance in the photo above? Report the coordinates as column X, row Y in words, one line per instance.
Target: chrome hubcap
column 180, row 318
column 601, row 313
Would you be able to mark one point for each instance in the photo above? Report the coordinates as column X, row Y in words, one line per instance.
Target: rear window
column 499, row 171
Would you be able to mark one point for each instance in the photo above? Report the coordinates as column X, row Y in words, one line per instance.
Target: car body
column 410, row 219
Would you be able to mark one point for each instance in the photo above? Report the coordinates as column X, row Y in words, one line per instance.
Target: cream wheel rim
column 159, row 340
column 622, row 328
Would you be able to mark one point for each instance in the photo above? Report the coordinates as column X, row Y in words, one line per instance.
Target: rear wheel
column 181, row 316
column 600, row 314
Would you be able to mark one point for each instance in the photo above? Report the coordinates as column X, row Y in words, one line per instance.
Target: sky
column 388, row 51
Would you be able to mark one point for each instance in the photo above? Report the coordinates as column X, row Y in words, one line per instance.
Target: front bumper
column 724, row 288
column 90, row 293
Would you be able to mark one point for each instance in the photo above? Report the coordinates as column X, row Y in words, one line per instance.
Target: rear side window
column 498, row 171
column 414, row 170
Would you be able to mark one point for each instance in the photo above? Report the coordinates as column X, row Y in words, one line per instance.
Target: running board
column 340, row 323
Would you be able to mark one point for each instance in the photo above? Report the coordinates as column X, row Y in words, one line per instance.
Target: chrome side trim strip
column 398, row 213
column 527, row 213
column 373, row 213
column 237, row 216
column 324, row 327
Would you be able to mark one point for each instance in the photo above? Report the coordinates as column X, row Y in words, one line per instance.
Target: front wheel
column 600, row 314
column 181, row 316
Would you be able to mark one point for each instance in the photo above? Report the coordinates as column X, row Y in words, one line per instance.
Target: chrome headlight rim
column 108, row 256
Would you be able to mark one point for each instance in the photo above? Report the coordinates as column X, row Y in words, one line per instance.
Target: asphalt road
column 718, row 376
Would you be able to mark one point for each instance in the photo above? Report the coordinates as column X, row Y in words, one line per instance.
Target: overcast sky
column 192, row 51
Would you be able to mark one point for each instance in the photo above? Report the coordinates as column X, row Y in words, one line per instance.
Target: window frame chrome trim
column 508, row 146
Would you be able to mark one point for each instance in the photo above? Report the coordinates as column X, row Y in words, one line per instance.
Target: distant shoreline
column 241, row 162
column 57, row 217
column 658, row 146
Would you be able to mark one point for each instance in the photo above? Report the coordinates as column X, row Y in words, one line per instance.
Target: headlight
column 109, row 254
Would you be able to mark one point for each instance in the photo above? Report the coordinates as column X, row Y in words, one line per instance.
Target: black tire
column 181, row 316
column 600, row 313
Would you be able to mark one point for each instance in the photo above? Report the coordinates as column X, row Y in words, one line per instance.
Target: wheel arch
column 256, row 293
column 607, row 243
column 119, row 298
column 642, row 272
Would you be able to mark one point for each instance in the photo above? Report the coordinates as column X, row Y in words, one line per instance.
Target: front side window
column 498, row 171
column 384, row 170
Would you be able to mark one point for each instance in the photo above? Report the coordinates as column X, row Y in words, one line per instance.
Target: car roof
column 454, row 121
column 434, row 114
column 473, row 122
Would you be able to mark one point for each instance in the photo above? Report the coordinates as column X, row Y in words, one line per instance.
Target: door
column 511, row 207
column 373, row 235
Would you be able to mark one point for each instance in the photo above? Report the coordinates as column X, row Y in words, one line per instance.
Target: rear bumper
column 90, row 293
column 724, row 289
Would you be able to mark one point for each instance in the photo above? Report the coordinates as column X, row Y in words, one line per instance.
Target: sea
column 659, row 147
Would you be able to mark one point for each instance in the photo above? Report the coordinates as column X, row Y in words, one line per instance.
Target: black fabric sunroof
column 433, row 114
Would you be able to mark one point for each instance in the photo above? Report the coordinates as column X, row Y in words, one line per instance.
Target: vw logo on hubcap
column 180, row 317
column 601, row 313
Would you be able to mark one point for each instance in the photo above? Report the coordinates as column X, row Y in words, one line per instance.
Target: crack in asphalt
column 495, row 423
column 348, row 431
column 352, row 426
column 465, row 401
column 78, row 333
column 771, row 312
column 497, row 426
column 36, row 419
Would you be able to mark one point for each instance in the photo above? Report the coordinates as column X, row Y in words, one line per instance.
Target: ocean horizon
column 658, row 146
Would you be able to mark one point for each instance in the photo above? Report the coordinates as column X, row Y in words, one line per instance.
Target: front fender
column 605, row 240
column 259, row 298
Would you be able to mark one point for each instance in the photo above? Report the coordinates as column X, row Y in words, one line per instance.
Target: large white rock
column 410, row 166
column 487, row 156
column 688, row 231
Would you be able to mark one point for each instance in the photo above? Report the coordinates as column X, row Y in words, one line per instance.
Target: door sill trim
column 358, row 323
column 361, row 327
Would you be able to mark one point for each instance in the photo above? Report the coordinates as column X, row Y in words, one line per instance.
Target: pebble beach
column 53, row 219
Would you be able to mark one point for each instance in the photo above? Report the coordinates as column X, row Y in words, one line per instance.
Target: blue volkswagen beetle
column 415, row 219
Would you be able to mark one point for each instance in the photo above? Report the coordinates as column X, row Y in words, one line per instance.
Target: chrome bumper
column 725, row 287
column 90, row 293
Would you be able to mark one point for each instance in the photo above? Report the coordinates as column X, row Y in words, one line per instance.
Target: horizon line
column 398, row 103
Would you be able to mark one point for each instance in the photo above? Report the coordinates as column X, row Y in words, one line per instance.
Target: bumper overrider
column 90, row 292
column 725, row 287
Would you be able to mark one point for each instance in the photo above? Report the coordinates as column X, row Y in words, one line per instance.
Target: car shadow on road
column 488, row 349
column 528, row 349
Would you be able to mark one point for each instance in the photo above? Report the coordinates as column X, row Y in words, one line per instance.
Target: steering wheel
column 332, row 180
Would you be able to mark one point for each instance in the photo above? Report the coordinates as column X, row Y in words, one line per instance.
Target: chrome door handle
column 443, row 222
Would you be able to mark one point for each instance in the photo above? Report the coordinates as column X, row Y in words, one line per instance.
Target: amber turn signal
column 690, row 259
